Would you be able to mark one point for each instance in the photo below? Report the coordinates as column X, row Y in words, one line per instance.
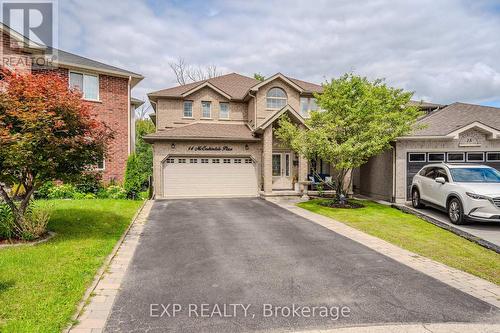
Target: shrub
column 136, row 176
column 89, row 182
column 43, row 191
column 116, row 192
column 6, row 221
column 64, row 191
column 90, row 196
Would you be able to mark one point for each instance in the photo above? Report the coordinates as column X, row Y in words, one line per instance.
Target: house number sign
column 469, row 139
column 210, row 148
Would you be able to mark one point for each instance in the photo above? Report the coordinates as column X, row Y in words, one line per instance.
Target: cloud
column 444, row 50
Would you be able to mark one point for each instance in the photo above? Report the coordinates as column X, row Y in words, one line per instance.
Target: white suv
column 464, row 191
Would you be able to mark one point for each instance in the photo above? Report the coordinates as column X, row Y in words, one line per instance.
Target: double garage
column 209, row 176
column 418, row 159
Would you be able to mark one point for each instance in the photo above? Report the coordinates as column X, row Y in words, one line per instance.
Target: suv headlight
column 477, row 196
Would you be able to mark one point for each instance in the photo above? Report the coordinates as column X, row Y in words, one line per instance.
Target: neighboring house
column 106, row 88
column 215, row 137
column 456, row 133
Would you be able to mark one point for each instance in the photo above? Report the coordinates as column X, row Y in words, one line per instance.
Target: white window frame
column 83, row 82
column 410, row 155
column 492, row 152
column 436, row 161
column 276, row 98
column 103, row 165
column 455, row 152
column 220, row 110
column 226, row 161
column 204, row 161
column 184, row 109
column 209, row 110
column 308, row 103
column 475, row 152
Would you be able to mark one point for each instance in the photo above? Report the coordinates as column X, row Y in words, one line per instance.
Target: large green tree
column 358, row 119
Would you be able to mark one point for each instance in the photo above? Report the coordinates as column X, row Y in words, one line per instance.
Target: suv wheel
column 415, row 199
column 456, row 211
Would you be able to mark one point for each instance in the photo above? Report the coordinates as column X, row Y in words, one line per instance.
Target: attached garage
column 214, row 176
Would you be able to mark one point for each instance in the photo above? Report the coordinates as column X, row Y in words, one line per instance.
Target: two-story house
column 215, row 137
column 106, row 88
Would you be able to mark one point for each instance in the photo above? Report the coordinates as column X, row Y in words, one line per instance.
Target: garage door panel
column 210, row 179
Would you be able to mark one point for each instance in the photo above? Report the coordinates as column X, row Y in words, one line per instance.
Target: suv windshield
column 475, row 175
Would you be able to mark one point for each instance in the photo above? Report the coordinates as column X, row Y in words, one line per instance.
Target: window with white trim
column 188, row 109
column 435, row 157
column 237, row 160
column 204, row 160
column 456, row 157
column 215, row 160
column 417, row 157
column 206, row 109
column 276, row 98
column 170, row 160
column 308, row 104
column 182, row 160
column 248, row 161
column 193, row 160
column 101, row 165
column 223, row 110
column 493, row 157
column 227, row 160
column 475, row 157
column 88, row 84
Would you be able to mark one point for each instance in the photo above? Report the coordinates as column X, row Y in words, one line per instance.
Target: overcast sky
column 443, row 50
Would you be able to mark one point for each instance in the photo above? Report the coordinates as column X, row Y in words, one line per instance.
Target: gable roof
column 456, row 116
column 286, row 109
column 205, row 131
column 235, row 85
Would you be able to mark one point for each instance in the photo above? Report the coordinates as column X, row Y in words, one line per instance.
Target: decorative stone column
column 267, row 160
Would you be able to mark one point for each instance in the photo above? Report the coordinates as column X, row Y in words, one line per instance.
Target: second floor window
column 87, row 84
column 206, row 111
column 307, row 104
column 224, row 111
column 188, row 109
column 276, row 98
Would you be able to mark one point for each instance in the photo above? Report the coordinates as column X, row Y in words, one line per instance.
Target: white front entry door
column 282, row 171
column 198, row 176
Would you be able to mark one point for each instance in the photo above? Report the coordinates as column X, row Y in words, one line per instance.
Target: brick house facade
column 114, row 105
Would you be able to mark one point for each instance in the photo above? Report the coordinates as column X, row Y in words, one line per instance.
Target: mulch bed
column 18, row 242
column 336, row 204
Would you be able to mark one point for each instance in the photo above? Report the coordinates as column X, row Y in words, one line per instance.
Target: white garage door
column 209, row 177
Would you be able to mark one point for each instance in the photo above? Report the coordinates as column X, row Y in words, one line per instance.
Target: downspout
column 254, row 108
column 129, row 126
column 394, row 178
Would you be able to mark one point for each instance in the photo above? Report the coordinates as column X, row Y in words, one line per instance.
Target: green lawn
column 411, row 233
column 40, row 286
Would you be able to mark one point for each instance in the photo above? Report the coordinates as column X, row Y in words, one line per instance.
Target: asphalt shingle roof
column 233, row 84
column 456, row 116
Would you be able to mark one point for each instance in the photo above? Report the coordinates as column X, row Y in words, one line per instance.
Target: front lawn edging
column 47, row 237
column 457, row 231
column 98, row 276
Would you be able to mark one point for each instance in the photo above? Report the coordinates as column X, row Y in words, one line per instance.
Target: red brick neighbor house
column 106, row 88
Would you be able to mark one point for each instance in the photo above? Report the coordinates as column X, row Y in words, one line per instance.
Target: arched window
column 276, row 98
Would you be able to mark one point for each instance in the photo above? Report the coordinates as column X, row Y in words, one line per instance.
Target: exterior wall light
column 172, row 146
column 247, row 147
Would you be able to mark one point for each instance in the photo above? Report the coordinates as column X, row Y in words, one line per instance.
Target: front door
column 282, row 171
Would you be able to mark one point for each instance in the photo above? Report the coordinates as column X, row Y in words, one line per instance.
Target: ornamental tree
column 358, row 119
column 46, row 133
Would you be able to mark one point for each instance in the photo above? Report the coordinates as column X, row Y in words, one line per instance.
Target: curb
column 98, row 276
column 457, row 231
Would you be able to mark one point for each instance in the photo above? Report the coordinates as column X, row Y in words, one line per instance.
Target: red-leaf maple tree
column 47, row 132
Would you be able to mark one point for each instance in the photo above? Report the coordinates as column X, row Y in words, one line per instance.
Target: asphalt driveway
column 236, row 265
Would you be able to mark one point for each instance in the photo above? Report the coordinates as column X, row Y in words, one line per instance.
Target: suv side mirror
column 440, row 180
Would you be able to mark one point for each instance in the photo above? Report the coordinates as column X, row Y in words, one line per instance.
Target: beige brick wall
column 263, row 113
column 170, row 112
column 162, row 150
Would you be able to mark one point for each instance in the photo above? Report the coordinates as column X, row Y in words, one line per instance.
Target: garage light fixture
column 172, row 146
column 247, row 147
